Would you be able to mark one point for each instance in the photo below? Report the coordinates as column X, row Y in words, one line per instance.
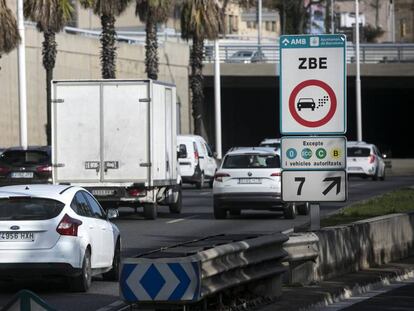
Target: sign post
column 313, row 103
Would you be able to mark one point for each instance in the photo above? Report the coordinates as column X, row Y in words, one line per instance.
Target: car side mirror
column 215, row 154
column 112, row 213
column 182, row 152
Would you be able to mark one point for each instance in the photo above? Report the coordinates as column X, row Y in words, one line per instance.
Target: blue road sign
column 154, row 281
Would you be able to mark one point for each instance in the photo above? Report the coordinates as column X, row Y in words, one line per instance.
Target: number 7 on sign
column 301, row 181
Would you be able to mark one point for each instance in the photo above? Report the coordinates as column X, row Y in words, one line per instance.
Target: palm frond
column 9, row 33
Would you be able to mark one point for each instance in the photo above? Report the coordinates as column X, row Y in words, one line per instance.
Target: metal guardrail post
column 302, row 249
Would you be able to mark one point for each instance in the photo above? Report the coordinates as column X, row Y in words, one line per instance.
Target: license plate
column 103, row 192
column 22, row 175
column 250, row 181
column 16, row 236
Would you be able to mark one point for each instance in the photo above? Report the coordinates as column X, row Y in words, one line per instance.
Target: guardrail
column 169, row 276
column 369, row 53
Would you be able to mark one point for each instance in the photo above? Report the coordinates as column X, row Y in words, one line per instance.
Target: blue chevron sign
column 150, row 280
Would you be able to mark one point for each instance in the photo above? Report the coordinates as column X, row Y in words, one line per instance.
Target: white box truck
column 117, row 138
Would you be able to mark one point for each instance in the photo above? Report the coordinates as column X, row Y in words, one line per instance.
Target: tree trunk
column 49, row 52
column 151, row 48
column 196, row 83
column 108, row 49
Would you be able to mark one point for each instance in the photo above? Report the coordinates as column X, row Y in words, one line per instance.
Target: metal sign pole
column 21, row 55
column 315, row 218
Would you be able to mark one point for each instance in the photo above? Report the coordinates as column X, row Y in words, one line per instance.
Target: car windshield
column 251, row 161
column 25, row 157
column 358, row 152
column 27, row 208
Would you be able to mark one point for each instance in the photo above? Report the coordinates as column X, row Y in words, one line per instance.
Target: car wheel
column 235, row 212
column 303, row 209
column 289, row 211
column 200, row 183
column 113, row 274
column 82, row 282
column 375, row 177
column 219, row 212
column 175, row 208
column 382, row 178
column 150, row 210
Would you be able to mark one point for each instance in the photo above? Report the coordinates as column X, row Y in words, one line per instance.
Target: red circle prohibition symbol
column 326, row 118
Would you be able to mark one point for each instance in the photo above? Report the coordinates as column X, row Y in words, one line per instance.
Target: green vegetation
column 399, row 201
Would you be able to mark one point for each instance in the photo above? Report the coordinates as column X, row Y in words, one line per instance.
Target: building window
column 274, row 26
column 267, row 26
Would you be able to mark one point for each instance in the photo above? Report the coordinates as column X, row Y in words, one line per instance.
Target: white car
column 196, row 160
column 365, row 160
column 249, row 178
column 270, row 142
column 56, row 230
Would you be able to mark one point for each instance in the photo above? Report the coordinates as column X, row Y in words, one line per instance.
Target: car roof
column 358, row 144
column 190, row 137
column 250, row 150
column 270, row 140
column 63, row 193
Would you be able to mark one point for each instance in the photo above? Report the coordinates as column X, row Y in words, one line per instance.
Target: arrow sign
column 151, row 280
column 311, row 186
column 336, row 181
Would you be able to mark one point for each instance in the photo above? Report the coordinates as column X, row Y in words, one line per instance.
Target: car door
column 202, row 152
column 81, row 207
column 211, row 162
column 104, row 232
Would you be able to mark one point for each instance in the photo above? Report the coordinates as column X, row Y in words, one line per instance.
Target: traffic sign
column 313, row 84
column 313, row 153
column 314, row 186
column 148, row 281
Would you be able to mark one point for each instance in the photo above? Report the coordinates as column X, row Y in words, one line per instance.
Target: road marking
column 205, row 193
column 180, row 219
column 288, row 231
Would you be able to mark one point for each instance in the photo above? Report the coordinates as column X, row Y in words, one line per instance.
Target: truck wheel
column 175, row 208
column 289, row 211
column 200, row 183
column 219, row 212
column 150, row 210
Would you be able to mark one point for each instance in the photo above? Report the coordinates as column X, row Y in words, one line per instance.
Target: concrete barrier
column 400, row 167
column 357, row 246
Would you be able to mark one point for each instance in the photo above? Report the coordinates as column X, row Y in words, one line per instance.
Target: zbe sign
column 313, row 84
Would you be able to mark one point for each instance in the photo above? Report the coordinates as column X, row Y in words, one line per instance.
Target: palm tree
column 107, row 10
column 51, row 16
column 9, row 33
column 200, row 20
column 152, row 12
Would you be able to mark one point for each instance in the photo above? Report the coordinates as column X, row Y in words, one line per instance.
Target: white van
column 196, row 160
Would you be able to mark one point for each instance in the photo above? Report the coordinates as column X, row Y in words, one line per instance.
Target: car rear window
column 251, row 161
column 25, row 157
column 24, row 208
column 358, row 152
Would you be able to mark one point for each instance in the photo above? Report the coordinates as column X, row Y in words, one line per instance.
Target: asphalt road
column 195, row 221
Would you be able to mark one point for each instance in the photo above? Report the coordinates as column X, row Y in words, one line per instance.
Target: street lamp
column 358, row 75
